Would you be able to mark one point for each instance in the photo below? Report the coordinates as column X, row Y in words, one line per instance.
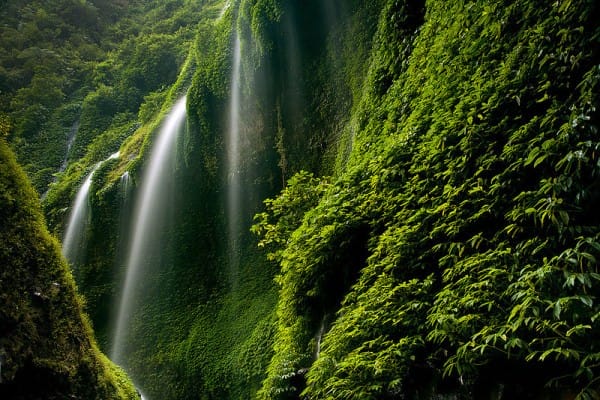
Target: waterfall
column 152, row 202
column 319, row 336
column 78, row 219
column 74, row 239
column 233, row 161
column 63, row 166
column 224, row 9
column 125, row 181
column 70, row 140
column 125, row 191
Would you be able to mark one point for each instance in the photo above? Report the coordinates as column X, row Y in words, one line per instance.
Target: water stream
column 320, row 338
column 150, row 207
column 226, row 6
column 70, row 140
column 74, row 239
column 125, row 181
column 233, row 162
column 63, row 166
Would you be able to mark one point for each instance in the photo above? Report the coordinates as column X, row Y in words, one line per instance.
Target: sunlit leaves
column 476, row 171
column 284, row 214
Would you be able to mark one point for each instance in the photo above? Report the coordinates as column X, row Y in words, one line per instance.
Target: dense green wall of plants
column 207, row 328
column 66, row 63
column 293, row 111
column 47, row 347
column 456, row 252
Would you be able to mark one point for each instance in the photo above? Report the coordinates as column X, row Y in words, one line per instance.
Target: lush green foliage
column 471, row 186
column 454, row 251
column 47, row 52
column 275, row 114
column 284, row 214
column 66, row 63
column 47, row 347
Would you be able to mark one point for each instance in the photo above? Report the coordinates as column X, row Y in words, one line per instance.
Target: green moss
column 462, row 189
column 458, row 237
column 48, row 349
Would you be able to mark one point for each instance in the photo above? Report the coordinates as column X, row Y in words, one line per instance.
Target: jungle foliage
column 47, row 347
column 461, row 235
column 69, row 67
column 435, row 233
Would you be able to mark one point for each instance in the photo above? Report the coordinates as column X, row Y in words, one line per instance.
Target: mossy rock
column 47, row 347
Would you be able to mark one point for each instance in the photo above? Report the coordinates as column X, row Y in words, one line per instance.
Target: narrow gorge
column 283, row 199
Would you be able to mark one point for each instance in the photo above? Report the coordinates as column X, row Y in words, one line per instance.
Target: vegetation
column 435, row 232
column 47, row 347
column 47, row 53
column 66, row 63
column 457, row 251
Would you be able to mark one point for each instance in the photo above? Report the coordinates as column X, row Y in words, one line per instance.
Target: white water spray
column 125, row 181
column 149, row 206
column 233, row 160
column 70, row 140
column 320, row 338
column 63, row 166
column 78, row 219
column 234, row 111
column 224, row 9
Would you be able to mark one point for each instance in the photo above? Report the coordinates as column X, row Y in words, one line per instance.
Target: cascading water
column 125, row 189
column 72, row 244
column 63, row 166
column 224, row 9
column 70, row 140
column 73, row 239
column 125, row 183
column 125, row 179
column 233, row 161
column 319, row 338
column 148, row 219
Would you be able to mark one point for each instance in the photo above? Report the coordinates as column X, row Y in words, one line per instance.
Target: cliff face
column 435, row 233
column 456, row 252
column 47, row 348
